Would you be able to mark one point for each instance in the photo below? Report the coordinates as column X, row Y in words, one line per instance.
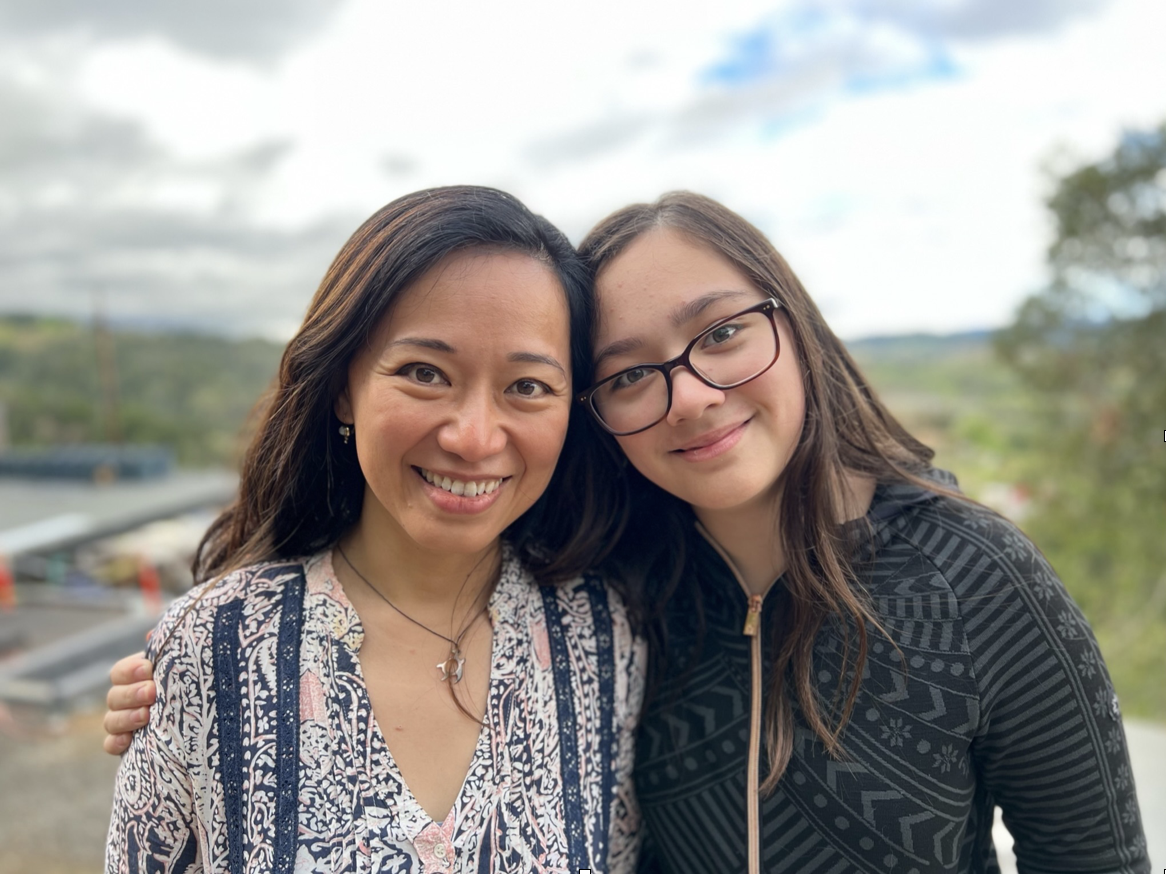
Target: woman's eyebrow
column 536, row 358
column 422, row 342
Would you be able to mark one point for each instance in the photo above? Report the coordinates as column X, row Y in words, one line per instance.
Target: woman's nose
column 474, row 432
column 691, row 397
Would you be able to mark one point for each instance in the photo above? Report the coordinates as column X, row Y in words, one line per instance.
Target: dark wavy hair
column 847, row 429
column 300, row 490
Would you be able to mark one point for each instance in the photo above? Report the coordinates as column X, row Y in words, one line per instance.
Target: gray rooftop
column 40, row 515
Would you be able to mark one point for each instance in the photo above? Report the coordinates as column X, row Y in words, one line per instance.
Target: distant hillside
column 192, row 392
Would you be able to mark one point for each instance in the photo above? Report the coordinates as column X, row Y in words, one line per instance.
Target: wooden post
column 150, row 585
column 7, row 586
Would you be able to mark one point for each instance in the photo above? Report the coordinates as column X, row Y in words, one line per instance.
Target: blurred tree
column 188, row 391
column 1092, row 347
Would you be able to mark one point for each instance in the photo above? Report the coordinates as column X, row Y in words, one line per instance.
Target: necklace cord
column 454, row 674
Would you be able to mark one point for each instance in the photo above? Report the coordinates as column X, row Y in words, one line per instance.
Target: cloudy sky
column 199, row 164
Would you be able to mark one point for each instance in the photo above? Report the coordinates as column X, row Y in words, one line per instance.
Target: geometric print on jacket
column 355, row 812
column 1004, row 700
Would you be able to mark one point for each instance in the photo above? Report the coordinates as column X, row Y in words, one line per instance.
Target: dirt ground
column 56, row 788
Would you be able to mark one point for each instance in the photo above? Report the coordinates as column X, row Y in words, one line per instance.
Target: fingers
column 131, row 669
column 129, row 701
column 131, row 696
column 116, row 744
column 125, row 722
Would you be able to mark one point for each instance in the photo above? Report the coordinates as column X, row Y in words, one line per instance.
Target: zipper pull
column 753, row 617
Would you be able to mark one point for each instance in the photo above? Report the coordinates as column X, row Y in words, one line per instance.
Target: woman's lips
column 460, row 504
column 713, row 443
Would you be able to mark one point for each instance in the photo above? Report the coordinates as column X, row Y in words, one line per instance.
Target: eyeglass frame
column 769, row 307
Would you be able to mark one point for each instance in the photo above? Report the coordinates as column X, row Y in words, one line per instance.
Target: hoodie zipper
column 751, row 630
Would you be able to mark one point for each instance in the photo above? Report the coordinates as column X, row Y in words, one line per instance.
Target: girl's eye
column 629, row 378
column 423, row 374
column 530, row 388
column 719, row 335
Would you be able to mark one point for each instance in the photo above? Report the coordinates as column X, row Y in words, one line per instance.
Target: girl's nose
column 691, row 397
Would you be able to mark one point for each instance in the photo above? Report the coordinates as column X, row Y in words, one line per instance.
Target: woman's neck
column 748, row 533
column 415, row 579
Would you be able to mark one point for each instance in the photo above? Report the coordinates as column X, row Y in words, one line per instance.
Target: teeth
column 457, row 487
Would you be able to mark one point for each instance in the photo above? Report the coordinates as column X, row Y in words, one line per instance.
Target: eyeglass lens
column 726, row 356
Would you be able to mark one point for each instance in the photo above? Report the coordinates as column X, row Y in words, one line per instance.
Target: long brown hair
column 846, row 429
column 301, row 488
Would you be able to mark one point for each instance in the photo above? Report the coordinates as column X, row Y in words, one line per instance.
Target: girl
column 852, row 665
column 396, row 665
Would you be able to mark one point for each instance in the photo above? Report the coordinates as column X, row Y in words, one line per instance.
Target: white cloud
column 894, row 156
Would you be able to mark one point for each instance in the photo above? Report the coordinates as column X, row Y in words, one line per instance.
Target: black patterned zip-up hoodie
column 1005, row 701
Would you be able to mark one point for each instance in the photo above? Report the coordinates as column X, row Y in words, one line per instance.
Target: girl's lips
column 713, row 444
column 460, row 504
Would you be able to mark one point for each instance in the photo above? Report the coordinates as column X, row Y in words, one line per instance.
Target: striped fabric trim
column 601, row 614
column 231, row 658
column 227, row 700
column 287, row 732
column 568, row 742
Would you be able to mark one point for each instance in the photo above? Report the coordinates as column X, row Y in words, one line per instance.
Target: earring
column 345, row 432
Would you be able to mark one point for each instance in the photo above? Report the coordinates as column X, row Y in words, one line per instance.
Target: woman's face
column 460, row 401
column 718, row 450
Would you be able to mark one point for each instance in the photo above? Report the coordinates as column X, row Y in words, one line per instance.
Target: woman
column 381, row 673
column 852, row 665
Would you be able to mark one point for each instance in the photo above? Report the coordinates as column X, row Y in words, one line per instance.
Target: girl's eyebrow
column 619, row 347
column 686, row 312
column 680, row 316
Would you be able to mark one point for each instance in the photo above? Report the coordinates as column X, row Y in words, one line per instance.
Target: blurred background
column 974, row 191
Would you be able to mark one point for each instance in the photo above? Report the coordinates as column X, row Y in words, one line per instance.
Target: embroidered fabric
column 355, row 812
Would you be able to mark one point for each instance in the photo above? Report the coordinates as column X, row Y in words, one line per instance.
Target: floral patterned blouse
column 226, row 778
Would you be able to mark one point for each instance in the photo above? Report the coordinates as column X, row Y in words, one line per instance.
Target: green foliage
column 1091, row 349
column 190, row 392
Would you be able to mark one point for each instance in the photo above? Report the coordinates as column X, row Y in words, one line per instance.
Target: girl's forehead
column 662, row 274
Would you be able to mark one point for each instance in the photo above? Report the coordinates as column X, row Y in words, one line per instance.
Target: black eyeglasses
column 728, row 353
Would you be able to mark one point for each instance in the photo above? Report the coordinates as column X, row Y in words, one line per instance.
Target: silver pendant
column 451, row 668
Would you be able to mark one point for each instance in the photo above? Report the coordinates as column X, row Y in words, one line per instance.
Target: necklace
column 452, row 668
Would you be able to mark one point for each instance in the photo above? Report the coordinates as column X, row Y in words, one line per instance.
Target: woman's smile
column 461, row 494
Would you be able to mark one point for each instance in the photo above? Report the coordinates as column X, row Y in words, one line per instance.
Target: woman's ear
column 343, row 407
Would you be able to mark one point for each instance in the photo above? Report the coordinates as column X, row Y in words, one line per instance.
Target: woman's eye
column 423, row 374
column 530, row 388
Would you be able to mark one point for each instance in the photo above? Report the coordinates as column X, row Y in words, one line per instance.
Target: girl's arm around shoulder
column 167, row 793
column 1050, row 746
column 153, row 824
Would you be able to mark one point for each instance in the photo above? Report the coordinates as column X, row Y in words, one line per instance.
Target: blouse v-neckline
column 430, row 837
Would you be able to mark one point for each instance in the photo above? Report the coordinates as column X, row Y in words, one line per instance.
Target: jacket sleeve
column 630, row 669
column 1050, row 747
column 154, row 824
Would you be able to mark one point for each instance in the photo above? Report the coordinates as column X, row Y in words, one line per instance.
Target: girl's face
column 460, row 401
column 716, row 449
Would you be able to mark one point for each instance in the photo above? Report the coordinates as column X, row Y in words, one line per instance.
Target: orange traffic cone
column 7, row 586
column 150, row 585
